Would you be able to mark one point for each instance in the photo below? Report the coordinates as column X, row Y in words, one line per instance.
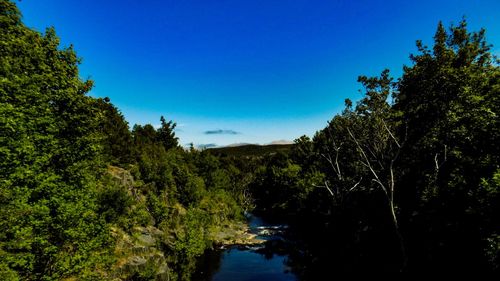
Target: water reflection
column 249, row 263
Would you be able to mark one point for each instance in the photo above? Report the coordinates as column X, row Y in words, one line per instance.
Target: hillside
column 250, row 150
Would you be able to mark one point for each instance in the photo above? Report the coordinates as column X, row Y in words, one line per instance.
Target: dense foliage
column 82, row 195
column 410, row 173
column 406, row 179
column 48, row 152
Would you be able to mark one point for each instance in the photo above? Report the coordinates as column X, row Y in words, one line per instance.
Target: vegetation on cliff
column 406, row 179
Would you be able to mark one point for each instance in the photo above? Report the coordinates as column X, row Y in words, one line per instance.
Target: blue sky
column 250, row 71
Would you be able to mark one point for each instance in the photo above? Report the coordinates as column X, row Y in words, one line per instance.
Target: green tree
column 49, row 152
column 117, row 138
column 166, row 134
column 144, row 136
column 449, row 99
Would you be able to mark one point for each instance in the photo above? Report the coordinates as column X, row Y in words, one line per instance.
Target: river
column 266, row 262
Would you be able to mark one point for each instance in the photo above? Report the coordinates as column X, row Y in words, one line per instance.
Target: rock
column 137, row 250
column 121, row 176
column 236, row 234
column 136, row 261
column 146, row 235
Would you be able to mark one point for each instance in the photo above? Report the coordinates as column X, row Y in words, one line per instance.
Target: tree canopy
column 405, row 179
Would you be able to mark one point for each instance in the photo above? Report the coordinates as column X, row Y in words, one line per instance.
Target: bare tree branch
column 390, row 133
column 366, row 160
column 356, row 185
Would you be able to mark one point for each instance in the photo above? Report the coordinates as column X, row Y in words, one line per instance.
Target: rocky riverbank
column 236, row 234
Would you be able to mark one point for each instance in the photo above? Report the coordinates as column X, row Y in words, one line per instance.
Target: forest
column 407, row 179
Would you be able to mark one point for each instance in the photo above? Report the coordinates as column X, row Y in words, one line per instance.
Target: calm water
column 259, row 263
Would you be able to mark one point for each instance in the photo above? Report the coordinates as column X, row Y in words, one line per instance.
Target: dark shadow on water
column 267, row 262
column 246, row 264
column 207, row 265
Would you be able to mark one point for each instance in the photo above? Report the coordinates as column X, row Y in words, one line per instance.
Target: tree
column 49, row 158
column 360, row 149
column 144, row 136
column 117, row 139
column 166, row 134
column 449, row 99
column 379, row 148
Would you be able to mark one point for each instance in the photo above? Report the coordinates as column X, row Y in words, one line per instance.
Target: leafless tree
column 383, row 175
column 342, row 188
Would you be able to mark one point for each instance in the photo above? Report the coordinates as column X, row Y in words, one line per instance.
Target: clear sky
column 254, row 71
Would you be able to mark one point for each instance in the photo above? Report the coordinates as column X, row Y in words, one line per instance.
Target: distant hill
column 250, row 150
column 281, row 142
column 239, row 144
